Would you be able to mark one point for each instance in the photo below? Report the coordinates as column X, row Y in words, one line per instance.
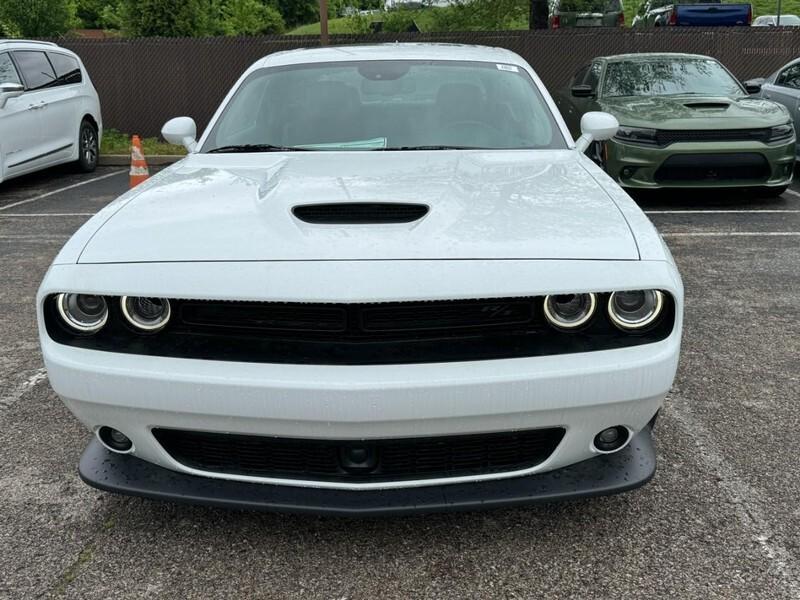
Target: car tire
column 772, row 192
column 88, row 147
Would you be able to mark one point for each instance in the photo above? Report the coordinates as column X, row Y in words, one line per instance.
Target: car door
column 63, row 113
column 786, row 90
column 569, row 105
column 20, row 130
column 57, row 137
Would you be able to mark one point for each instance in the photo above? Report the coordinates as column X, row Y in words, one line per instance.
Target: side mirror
column 181, row 131
column 753, row 86
column 8, row 91
column 596, row 127
column 582, row 91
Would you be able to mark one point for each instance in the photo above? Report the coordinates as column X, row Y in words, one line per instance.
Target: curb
column 119, row 160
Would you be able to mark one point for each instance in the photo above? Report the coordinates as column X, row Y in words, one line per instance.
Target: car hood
column 695, row 112
column 482, row 205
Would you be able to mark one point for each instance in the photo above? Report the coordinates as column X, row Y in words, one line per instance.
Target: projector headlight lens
column 635, row 309
column 146, row 314
column 569, row 311
column 84, row 313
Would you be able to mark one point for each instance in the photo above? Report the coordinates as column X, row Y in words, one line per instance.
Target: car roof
column 395, row 51
column 652, row 55
column 6, row 44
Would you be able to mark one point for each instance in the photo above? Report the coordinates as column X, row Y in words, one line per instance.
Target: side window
column 68, row 71
column 593, row 76
column 8, row 73
column 36, row 69
column 790, row 77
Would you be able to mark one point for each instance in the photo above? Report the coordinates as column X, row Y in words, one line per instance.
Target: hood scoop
column 707, row 105
column 360, row 213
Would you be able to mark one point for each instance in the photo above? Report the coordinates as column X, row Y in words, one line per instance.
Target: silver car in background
column 783, row 86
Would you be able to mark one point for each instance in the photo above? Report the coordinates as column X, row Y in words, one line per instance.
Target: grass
column 116, row 142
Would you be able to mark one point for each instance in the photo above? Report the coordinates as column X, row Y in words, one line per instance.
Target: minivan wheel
column 88, row 147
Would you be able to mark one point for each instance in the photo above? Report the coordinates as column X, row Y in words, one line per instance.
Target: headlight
column 146, row 314
column 781, row 133
column 569, row 311
column 84, row 313
column 636, row 135
column 636, row 309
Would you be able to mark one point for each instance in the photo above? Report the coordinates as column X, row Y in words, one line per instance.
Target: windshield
column 386, row 105
column 787, row 20
column 666, row 77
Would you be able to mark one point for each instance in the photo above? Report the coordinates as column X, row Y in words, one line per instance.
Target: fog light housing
column 611, row 439
column 146, row 314
column 83, row 313
column 114, row 440
column 627, row 172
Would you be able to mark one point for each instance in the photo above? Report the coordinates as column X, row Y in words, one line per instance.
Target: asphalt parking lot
column 721, row 519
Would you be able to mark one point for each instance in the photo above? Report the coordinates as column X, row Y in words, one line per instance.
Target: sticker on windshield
column 510, row 68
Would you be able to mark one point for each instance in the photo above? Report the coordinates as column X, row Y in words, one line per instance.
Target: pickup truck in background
column 700, row 13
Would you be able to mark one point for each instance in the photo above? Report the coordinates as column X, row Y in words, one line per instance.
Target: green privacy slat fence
column 144, row 82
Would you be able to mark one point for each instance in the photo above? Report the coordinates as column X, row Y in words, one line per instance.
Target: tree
column 8, row 29
column 298, row 12
column 250, row 17
column 167, row 18
column 38, row 18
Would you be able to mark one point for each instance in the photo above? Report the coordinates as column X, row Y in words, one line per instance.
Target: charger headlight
column 636, row 135
column 569, row 311
column 635, row 309
column 781, row 133
column 146, row 314
column 84, row 313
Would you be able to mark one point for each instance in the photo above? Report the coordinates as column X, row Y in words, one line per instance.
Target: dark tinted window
column 790, row 77
column 578, row 79
column 8, row 74
column 593, row 77
column 36, row 69
column 67, row 68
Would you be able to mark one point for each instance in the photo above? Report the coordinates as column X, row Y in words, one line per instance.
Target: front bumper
column 627, row 469
column 646, row 162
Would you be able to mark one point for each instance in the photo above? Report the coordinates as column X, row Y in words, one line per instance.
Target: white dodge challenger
column 385, row 279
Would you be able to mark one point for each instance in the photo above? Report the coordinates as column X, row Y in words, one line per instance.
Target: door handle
column 37, row 106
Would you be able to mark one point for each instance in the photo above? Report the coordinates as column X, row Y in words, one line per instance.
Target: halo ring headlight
column 636, row 309
column 146, row 314
column 84, row 313
column 569, row 311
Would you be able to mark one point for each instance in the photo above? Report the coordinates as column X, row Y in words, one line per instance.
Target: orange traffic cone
column 139, row 170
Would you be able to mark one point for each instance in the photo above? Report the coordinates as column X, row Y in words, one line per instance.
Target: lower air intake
column 360, row 461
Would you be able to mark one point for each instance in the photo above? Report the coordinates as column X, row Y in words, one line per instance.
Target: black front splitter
column 607, row 474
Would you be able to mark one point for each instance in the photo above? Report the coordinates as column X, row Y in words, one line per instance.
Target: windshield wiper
column 406, row 148
column 255, row 148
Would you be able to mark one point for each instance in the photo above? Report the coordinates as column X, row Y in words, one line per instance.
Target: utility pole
column 323, row 22
column 778, row 18
column 538, row 15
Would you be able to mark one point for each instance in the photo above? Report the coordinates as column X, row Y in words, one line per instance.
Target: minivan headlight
column 636, row 135
column 569, row 311
column 635, row 309
column 84, row 313
column 781, row 133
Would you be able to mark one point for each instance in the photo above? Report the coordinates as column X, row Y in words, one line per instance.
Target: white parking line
column 723, row 211
column 793, row 193
column 732, row 234
column 16, row 393
column 58, row 191
column 29, row 215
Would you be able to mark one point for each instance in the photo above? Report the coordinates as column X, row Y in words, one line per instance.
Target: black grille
column 714, row 167
column 380, row 460
column 665, row 137
column 356, row 213
column 357, row 334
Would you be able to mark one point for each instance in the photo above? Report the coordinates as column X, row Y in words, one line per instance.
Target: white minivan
column 49, row 109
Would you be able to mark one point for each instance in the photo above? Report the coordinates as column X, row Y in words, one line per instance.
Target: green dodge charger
column 685, row 121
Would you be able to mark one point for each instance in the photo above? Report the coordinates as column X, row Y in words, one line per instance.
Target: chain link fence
column 144, row 82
